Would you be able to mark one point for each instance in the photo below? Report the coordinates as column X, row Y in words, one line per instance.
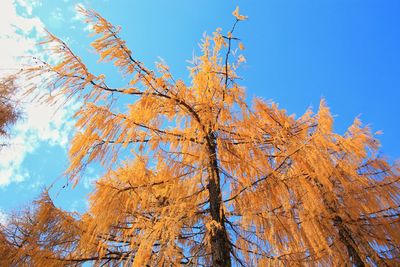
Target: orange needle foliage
column 205, row 179
column 8, row 108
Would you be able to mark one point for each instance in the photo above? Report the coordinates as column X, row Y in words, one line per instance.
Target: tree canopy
column 196, row 176
column 8, row 107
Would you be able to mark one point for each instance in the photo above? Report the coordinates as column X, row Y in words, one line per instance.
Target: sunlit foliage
column 195, row 176
column 8, row 106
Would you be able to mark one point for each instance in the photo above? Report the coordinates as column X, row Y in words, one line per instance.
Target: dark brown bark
column 346, row 238
column 344, row 233
column 220, row 245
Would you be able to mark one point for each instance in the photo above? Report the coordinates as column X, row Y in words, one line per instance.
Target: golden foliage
column 236, row 14
column 8, row 107
column 194, row 176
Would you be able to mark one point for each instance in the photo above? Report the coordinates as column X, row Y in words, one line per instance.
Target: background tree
column 194, row 176
column 8, row 107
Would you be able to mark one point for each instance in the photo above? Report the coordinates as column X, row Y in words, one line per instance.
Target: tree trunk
column 220, row 247
column 347, row 240
column 344, row 233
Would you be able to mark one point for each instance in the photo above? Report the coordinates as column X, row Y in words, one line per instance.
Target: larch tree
column 195, row 176
column 8, row 106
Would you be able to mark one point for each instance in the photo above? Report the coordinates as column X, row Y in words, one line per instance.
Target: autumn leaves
column 195, row 176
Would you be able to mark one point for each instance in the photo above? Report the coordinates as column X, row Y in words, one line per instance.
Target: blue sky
column 346, row 51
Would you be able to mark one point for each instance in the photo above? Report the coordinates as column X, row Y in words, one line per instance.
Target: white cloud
column 56, row 18
column 78, row 16
column 88, row 28
column 90, row 178
column 3, row 218
column 57, row 14
column 42, row 122
column 18, row 34
column 27, row 5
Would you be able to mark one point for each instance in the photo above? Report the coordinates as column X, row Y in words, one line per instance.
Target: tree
column 195, row 176
column 8, row 108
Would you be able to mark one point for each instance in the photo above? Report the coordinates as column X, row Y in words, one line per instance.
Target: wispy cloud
column 90, row 178
column 3, row 218
column 56, row 18
column 27, row 5
column 41, row 122
column 19, row 33
column 80, row 18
